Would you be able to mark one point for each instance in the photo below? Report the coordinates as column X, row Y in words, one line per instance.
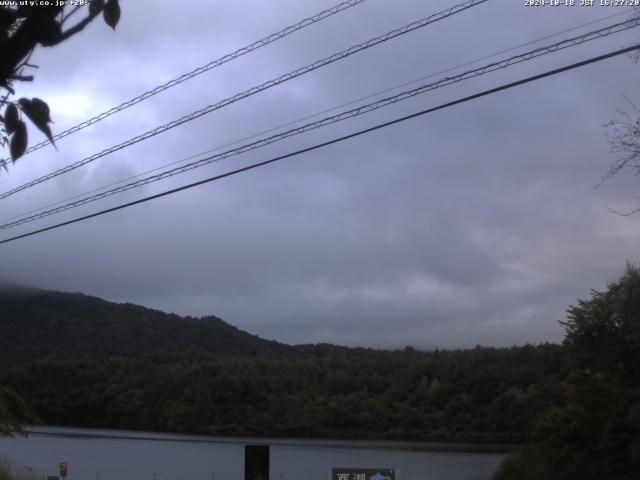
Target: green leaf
column 18, row 141
column 111, row 13
column 38, row 112
column 95, row 7
column 42, row 106
column 11, row 118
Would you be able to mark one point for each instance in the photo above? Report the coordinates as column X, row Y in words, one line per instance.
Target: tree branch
column 78, row 27
column 22, row 78
column 70, row 14
column 25, row 39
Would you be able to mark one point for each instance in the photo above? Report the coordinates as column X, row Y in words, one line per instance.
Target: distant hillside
column 43, row 324
column 57, row 352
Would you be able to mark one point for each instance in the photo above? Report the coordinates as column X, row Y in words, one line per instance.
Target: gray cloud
column 477, row 224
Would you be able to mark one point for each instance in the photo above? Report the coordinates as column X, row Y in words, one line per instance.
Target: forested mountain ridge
column 40, row 324
column 576, row 405
column 83, row 361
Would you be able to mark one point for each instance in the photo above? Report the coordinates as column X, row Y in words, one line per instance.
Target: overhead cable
column 202, row 69
column 331, row 142
column 254, row 90
column 370, row 107
column 313, row 115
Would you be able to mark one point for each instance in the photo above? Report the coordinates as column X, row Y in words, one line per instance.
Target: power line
column 308, row 117
column 205, row 68
column 257, row 89
column 535, row 53
column 333, row 141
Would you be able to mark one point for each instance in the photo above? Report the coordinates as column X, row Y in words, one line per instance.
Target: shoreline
column 425, row 446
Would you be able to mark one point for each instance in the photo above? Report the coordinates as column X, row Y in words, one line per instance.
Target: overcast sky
column 478, row 224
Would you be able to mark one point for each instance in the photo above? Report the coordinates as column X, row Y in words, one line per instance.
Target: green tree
column 14, row 412
column 595, row 433
column 603, row 333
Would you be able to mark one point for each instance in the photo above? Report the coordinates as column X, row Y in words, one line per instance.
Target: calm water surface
column 121, row 455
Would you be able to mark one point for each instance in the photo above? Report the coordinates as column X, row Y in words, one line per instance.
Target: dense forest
column 477, row 394
column 81, row 361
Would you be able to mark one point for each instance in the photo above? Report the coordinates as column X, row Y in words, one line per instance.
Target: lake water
column 122, row 455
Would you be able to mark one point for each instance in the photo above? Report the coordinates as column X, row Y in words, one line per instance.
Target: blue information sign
column 363, row 474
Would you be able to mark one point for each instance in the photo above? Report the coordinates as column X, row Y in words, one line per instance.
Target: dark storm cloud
column 477, row 224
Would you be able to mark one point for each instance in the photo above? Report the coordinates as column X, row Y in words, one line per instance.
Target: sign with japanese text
column 363, row 474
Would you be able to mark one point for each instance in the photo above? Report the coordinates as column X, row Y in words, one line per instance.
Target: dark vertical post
column 256, row 462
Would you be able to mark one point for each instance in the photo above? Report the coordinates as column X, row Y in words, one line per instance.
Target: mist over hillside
column 45, row 324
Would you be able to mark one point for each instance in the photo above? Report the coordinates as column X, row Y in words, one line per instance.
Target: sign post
column 256, row 462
